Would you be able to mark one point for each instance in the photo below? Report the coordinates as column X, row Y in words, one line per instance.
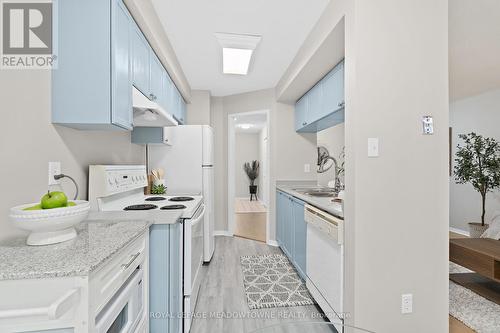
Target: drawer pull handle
column 127, row 265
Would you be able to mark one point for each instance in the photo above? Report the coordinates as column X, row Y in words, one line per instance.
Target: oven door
column 193, row 250
column 123, row 312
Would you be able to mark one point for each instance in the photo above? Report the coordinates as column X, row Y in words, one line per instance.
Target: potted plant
column 252, row 171
column 478, row 163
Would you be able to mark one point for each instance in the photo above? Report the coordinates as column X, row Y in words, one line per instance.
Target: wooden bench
column 481, row 255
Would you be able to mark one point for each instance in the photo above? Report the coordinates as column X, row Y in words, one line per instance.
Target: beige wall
column 28, row 141
column 397, row 205
column 396, row 71
column 198, row 111
column 247, row 150
column 480, row 114
column 289, row 151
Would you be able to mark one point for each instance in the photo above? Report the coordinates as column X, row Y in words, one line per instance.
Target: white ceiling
column 257, row 120
column 190, row 26
column 474, row 41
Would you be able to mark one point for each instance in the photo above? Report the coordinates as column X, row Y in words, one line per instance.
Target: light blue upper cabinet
column 301, row 113
column 121, row 102
column 325, row 103
column 156, row 82
column 333, row 90
column 183, row 111
column 315, row 98
column 140, row 62
column 91, row 88
column 168, row 88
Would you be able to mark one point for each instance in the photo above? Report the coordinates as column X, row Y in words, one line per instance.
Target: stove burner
column 141, row 207
column 181, row 199
column 171, row 207
column 156, row 199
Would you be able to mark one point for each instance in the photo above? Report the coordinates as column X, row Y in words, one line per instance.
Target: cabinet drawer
column 105, row 282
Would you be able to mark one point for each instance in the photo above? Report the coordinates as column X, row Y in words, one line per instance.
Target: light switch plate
column 54, row 169
column 307, row 168
column 372, row 147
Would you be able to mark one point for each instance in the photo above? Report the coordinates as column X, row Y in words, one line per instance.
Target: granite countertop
column 97, row 241
column 322, row 203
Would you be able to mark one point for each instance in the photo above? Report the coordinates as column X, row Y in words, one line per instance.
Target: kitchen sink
column 317, row 192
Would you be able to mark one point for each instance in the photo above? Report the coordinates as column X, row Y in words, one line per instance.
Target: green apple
column 54, row 199
column 35, row 207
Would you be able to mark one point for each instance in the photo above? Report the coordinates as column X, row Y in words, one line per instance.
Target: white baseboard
column 459, row 231
column 222, row 233
column 272, row 243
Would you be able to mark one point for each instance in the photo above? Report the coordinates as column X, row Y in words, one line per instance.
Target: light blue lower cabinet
column 291, row 231
column 165, row 278
column 300, row 237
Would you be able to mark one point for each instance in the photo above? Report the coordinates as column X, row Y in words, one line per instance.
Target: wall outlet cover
column 372, row 147
column 54, row 169
column 406, row 303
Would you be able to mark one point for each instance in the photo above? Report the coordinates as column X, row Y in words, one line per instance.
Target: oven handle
column 198, row 216
column 53, row 311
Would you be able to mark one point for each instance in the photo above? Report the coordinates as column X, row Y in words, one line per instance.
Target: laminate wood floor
column 222, row 306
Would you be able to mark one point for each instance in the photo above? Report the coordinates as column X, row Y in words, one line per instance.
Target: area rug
column 475, row 311
column 271, row 281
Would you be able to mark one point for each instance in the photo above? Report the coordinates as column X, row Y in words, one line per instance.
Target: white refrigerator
column 189, row 170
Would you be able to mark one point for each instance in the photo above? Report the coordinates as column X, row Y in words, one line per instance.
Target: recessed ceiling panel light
column 237, row 52
column 236, row 61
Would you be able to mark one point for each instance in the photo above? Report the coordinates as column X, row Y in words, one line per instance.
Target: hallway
column 222, row 294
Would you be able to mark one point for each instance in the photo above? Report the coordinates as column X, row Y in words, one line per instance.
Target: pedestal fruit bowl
column 49, row 226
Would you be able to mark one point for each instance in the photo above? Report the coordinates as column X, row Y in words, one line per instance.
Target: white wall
column 246, row 150
column 264, row 165
column 396, row 72
column 333, row 139
column 198, row 111
column 479, row 114
column 288, row 150
column 28, row 141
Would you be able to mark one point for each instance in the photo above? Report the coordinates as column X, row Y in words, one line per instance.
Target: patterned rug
column 475, row 311
column 271, row 281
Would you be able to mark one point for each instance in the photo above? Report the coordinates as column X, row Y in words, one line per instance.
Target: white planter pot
column 476, row 229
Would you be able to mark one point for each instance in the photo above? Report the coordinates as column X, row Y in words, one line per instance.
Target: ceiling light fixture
column 245, row 126
column 237, row 51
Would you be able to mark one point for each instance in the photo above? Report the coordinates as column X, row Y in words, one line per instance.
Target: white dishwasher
column 325, row 262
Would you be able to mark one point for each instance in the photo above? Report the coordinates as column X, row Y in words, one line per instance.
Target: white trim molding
column 224, row 233
column 272, row 242
column 459, row 231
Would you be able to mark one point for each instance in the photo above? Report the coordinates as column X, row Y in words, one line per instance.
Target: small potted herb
column 478, row 163
column 252, row 171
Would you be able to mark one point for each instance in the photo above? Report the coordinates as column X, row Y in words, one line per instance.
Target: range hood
column 148, row 113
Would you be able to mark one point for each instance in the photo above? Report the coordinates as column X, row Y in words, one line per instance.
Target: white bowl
column 49, row 226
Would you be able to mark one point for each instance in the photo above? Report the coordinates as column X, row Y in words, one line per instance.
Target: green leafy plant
column 158, row 189
column 252, row 171
column 478, row 163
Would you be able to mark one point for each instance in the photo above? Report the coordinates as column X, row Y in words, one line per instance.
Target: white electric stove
column 117, row 191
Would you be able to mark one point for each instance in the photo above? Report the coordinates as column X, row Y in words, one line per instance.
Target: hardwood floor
column 222, row 294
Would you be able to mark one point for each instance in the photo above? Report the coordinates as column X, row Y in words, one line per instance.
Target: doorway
column 248, row 175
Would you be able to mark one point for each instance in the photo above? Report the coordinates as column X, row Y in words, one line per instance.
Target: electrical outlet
column 54, row 169
column 406, row 303
column 307, row 168
column 428, row 125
